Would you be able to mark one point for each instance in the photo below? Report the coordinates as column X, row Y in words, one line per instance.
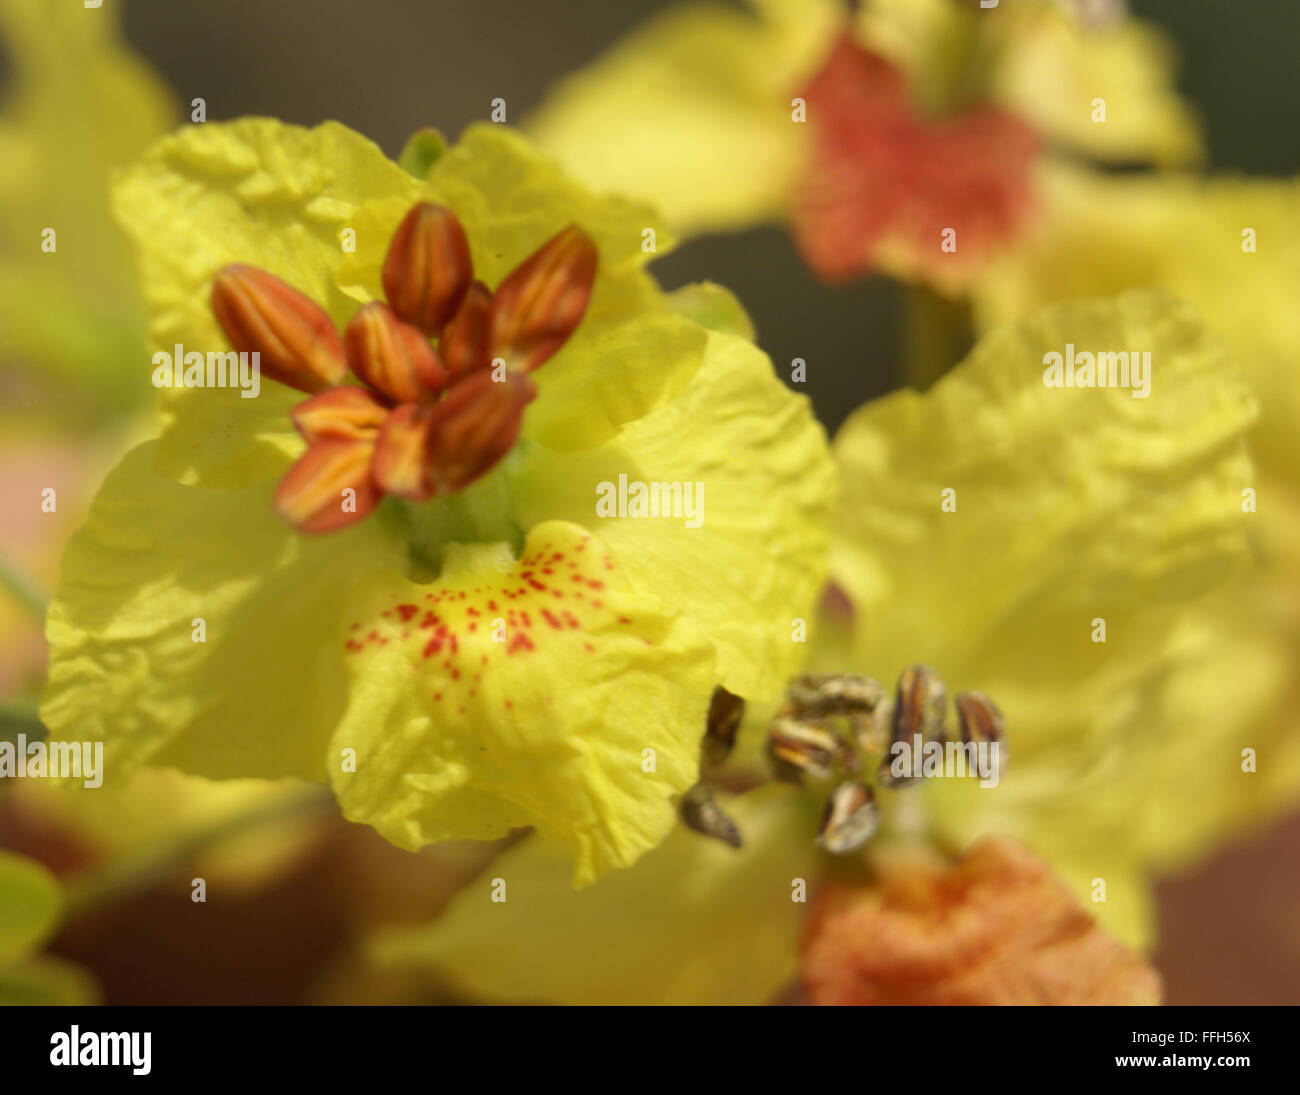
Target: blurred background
column 1230, row 932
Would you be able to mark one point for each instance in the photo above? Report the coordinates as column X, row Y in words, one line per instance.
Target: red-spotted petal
column 329, row 487
column 542, row 301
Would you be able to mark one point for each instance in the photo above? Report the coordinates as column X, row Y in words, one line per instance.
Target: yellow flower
column 1077, row 515
column 77, row 105
column 872, row 135
column 498, row 656
column 1070, row 506
column 1228, row 246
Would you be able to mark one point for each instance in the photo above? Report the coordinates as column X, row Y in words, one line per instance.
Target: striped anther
column 392, row 356
column 428, row 268
column 293, row 336
column 542, row 301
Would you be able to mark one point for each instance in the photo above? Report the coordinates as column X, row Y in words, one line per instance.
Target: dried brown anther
column 849, row 819
column 806, row 748
column 725, row 713
column 701, row 812
column 805, row 741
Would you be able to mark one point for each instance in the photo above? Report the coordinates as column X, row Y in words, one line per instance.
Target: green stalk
column 138, row 871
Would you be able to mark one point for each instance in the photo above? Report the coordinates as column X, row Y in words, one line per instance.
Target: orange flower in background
column 894, row 136
column 996, row 927
column 883, row 182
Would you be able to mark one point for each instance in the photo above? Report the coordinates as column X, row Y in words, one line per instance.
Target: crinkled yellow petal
column 1102, row 234
column 694, row 922
column 1052, row 71
column 1072, row 506
column 80, row 104
column 741, row 552
column 545, row 690
column 713, row 306
column 261, row 692
column 693, row 111
column 30, row 899
column 1227, row 245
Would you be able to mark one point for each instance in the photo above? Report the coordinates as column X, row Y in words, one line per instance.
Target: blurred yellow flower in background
column 72, row 323
column 870, row 132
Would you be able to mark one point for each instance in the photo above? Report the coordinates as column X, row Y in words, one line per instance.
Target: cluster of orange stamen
column 424, row 420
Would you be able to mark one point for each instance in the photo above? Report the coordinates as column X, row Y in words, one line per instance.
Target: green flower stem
column 20, row 716
column 23, row 589
column 939, row 333
column 121, row 878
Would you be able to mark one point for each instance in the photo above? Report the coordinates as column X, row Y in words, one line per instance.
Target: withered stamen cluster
column 830, row 724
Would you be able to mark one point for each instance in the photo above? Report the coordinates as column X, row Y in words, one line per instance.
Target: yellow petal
column 1072, row 506
column 1052, row 71
column 120, row 820
column 47, row 981
column 1189, row 236
column 694, row 922
column 692, row 111
column 255, row 691
column 1047, row 67
column 544, row 690
column 748, row 570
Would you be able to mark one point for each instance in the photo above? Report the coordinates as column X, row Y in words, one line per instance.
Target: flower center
column 442, row 366
column 841, row 735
